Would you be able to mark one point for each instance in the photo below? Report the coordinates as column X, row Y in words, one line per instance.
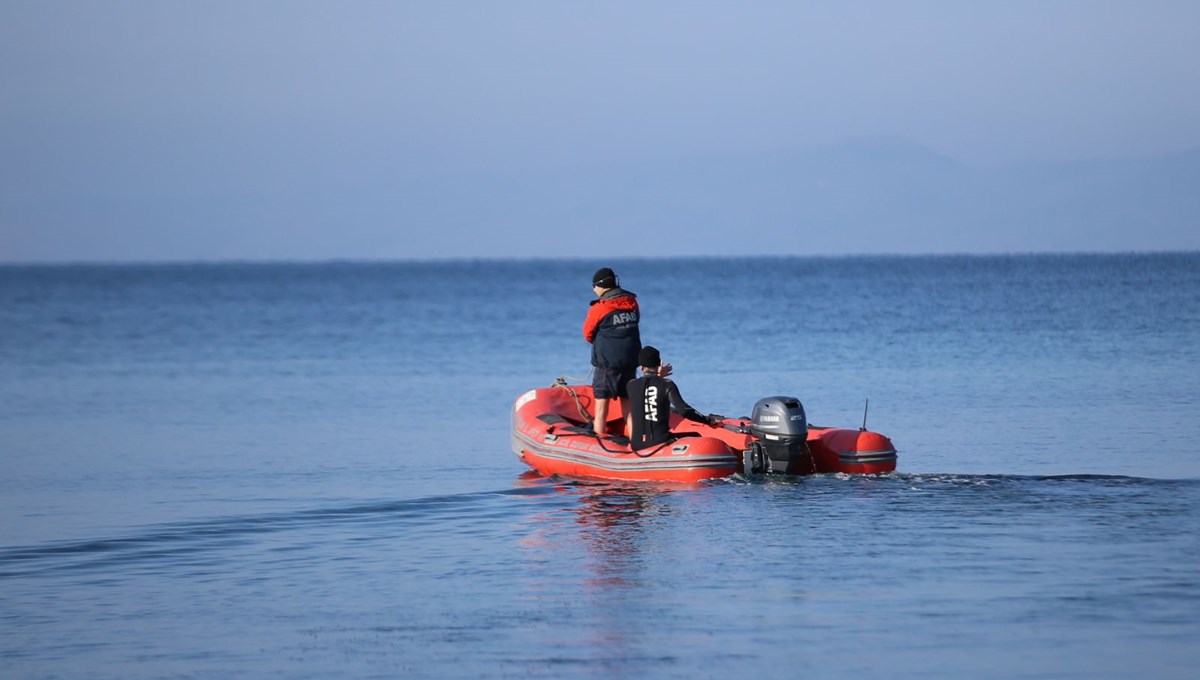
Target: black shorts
column 610, row 382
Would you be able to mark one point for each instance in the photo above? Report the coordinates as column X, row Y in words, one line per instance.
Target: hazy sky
column 193, row 130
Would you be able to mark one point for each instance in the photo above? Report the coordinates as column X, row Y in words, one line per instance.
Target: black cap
column 649, row 357
column 605, row 278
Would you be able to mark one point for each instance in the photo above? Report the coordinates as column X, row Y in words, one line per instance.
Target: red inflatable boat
column 551, row 433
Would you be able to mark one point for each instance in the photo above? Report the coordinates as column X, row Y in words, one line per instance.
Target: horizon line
column 572, row 258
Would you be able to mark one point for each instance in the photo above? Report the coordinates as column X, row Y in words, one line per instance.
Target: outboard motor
column 780, row 431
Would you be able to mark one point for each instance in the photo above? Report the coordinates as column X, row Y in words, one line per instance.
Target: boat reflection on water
column 594, row 561
column 609, row 525
column 614, row 523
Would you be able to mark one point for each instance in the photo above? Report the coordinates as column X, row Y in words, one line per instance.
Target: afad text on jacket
column 612, row 328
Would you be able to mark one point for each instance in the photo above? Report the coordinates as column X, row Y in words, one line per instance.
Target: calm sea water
column 304, row 471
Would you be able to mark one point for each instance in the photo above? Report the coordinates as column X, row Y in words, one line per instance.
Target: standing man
column 612, row 328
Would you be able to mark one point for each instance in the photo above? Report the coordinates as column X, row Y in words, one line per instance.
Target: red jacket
column 612, row 328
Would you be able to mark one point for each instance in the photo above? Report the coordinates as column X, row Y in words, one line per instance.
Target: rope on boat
column 655, row 450
column 561, row 382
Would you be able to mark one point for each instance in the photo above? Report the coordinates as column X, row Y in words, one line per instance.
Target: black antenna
column 865, row 405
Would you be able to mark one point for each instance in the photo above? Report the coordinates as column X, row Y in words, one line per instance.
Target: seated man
column 650, row 398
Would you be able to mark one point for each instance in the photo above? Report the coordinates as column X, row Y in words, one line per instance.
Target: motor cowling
column 780, row 430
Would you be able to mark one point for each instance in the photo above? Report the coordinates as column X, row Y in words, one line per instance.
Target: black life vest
column 650, row 408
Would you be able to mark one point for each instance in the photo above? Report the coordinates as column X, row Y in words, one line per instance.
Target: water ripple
column 179, row 539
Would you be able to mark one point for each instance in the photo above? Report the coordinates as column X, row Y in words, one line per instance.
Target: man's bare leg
column 600, row 425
